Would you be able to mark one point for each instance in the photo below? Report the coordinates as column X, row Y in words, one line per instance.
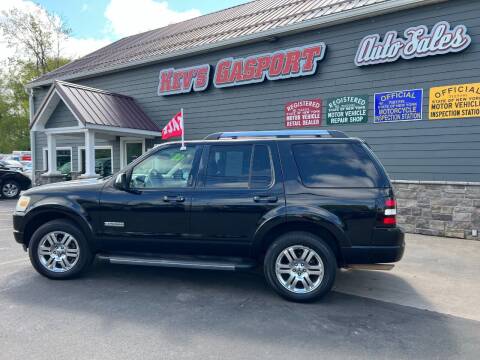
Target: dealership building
column 402, row 74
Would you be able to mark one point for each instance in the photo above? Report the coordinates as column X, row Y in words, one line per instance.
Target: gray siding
column 421, row 150
column 61, row 117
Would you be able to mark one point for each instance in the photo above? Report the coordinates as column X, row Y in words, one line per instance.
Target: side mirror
column 121, row 181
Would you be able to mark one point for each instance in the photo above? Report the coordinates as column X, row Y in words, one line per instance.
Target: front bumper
column 19, row 227
column 388, row 245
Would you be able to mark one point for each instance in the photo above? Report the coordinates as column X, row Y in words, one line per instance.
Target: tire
column 288, row 277
column 49, row 250
column 10, row 189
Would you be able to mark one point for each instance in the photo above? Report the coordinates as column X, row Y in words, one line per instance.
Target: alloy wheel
column 58, row 251
column 299, row 269
column 10, row 190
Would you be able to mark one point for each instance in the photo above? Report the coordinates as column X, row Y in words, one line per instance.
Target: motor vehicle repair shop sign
column 347, row 110
column 402, row 105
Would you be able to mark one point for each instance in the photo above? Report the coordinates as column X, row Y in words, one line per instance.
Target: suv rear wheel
column 300, row 266
column 59, row 250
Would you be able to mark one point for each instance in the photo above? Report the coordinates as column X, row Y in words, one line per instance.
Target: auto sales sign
column 282, row 64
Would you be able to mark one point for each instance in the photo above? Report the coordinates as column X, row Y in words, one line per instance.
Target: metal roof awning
column 95, row 109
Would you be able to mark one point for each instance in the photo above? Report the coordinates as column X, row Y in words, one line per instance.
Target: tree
column 37, row 38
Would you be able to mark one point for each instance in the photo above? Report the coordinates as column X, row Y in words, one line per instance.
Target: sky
column 96, row 23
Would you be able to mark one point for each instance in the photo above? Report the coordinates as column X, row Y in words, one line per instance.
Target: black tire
column 312, row 242
column 85, row 256
column 4, row 189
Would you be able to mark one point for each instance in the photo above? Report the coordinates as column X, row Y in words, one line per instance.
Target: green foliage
column 36, row 38
column 14, row 104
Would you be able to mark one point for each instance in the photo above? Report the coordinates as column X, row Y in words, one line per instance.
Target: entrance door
column 153, row 215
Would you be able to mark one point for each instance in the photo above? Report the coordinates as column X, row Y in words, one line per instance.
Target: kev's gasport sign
column 347, row 110
column 454, row 101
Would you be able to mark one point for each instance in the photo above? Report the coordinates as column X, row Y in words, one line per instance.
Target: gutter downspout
column 32, row 133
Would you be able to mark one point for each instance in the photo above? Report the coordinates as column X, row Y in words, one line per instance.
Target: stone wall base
column 439, row 208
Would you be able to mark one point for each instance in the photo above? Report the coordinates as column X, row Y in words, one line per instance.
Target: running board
column 207, row 263
column 386, row 267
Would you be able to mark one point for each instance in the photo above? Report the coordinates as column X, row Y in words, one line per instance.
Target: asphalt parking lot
column 426, row 308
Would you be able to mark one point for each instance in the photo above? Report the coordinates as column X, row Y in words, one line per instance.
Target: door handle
column 173, row 198
column 265, row 198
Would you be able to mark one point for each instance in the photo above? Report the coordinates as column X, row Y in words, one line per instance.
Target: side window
column 229, row 166
column 335, row 165
column 165, row 168
column 262, row 172
column 239, row 166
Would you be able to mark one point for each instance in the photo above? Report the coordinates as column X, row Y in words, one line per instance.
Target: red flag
column 174, row 128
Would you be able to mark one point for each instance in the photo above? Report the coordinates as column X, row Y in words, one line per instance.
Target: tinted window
column 166, row 168
column 335, row 166
column 234, row 166
column 229, row 166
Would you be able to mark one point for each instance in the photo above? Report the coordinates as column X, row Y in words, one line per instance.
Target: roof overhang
column 324, row 21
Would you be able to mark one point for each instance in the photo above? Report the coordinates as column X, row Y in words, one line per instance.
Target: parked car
column 12, row 182
column 299, row 203
column 12, row 164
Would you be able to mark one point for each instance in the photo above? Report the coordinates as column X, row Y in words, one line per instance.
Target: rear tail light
column 389, row 216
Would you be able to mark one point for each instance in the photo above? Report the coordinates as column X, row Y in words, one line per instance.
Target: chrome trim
column 186, row 264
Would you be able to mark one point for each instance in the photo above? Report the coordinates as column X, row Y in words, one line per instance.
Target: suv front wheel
column 59, row 250
column 300, row 266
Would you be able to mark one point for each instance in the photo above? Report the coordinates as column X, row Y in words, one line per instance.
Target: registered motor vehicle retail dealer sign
column 455, row 101
column 303, row 113
column 401, row 105
column 347, row 110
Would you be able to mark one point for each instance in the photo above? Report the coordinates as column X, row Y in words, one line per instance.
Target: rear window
column 335, row 165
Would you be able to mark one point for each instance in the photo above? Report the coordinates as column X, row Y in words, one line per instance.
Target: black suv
column 300, row 203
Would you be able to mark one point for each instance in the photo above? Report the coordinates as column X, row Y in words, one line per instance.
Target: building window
column 64, row 160
column 103, row 160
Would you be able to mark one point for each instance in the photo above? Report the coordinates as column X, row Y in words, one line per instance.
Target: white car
column 12, row 165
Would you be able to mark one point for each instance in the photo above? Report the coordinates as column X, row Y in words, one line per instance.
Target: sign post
column 183, row 147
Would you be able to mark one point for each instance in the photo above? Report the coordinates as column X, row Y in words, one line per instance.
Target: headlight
column 22, row 203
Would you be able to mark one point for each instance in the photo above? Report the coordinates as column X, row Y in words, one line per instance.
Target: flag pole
column 183, row 147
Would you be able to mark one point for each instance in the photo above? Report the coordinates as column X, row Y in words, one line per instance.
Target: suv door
column 239, row 183
column 155, row 210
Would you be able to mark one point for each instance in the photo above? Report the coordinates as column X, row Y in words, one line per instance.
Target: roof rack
column 276, row 134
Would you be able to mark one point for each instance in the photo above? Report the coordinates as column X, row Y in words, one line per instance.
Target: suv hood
column 68, row 186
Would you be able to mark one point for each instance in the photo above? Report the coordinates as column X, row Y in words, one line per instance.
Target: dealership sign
column 347, row 110
column 303, row 113
column 283, row 64
column 404, row 105
column 455, row 101
column 180, row 81
column 418, row 42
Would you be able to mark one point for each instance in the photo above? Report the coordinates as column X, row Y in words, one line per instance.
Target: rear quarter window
column 336, row 165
